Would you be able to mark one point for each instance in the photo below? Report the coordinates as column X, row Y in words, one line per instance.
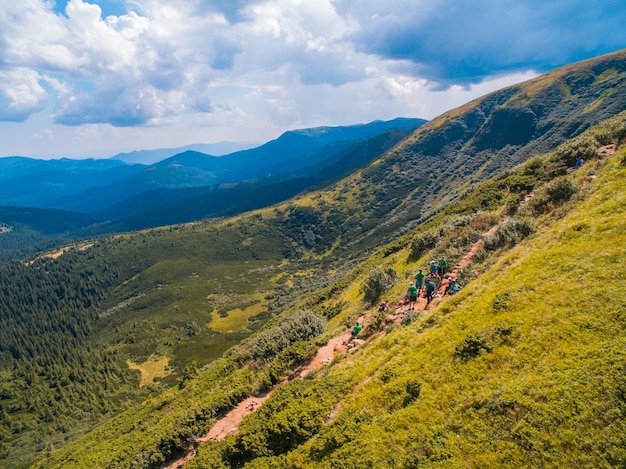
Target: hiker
column 404, row 300
column 448, row 286
column 412, row 291
column 579, row 163
column 433, row 267
column 430, row 289
column 441, row 267
column 419, row 281
column 355, row 330
column 455, row 288
column 383, row 306
column 435, row 279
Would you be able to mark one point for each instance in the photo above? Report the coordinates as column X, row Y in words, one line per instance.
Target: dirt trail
column 229, row 424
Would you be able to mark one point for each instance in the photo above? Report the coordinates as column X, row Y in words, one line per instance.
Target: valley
column 121, row 350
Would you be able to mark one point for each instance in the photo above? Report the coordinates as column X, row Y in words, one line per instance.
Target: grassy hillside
column 201, row 309
column 523, row 368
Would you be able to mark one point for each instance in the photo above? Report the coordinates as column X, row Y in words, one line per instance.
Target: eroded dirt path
column 229, row 423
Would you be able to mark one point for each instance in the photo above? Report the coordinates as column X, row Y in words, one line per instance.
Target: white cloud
column 20, row 94
column 211, row 68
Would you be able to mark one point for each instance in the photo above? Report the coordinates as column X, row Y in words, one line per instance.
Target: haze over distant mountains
column 121, row 187
column 156, row 155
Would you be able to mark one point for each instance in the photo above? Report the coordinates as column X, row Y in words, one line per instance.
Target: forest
column 128, row 343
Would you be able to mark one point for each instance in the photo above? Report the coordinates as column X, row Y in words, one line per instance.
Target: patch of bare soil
column 607, row 150
column 230, row 422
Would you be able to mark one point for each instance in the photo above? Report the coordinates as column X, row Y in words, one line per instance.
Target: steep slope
column 448, row 155
column 510, row 372
column 167, row 302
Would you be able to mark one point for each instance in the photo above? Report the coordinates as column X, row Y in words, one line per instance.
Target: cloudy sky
column 83, row 78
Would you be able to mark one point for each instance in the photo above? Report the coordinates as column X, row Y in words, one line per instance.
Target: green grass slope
column 523, row 368
column 156, row 309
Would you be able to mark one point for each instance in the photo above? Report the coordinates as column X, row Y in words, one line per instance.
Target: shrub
column 377, row 324
column 329, row 311
column 423, row 243
column 295, row 412
column 296, row 354
column 378, row 281
column 584, row 146
column 501, row 302
column 301, row 326
column 551, row 194
column 472, row 346
column 409, row 317
column 508, row 234
column 388, row 373
column 413, row 391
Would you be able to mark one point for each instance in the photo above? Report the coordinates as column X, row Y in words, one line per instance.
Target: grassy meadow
column 524, row 367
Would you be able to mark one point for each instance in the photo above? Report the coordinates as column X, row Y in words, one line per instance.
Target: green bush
column 294, row 355
column 378, row 281
column 295, row 412
column 423, row 243
column 301, row 326
column 508, row 234
column 471, row 347
column 552, row 194
column 409, row 317
column 413, row 391
column 329, row 311
column 584, row 147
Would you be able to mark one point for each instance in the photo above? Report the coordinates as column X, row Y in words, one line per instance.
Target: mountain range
column 149, row 157
column 127, row 350
column 107, row 190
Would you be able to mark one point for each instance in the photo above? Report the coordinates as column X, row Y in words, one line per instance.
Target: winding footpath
column 229, row 424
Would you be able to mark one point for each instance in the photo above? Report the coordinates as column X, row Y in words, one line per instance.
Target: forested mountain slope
column 523, row 368
column 113, row 320
column 301, row 150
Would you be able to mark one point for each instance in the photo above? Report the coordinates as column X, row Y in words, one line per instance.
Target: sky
column 91, row 78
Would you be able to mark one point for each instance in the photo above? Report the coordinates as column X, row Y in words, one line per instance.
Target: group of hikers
column 426, row 282
column 429, row 283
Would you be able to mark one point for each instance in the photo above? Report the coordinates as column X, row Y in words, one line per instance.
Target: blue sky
column 93, row 78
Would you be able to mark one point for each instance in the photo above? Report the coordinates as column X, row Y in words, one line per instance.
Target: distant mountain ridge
column 525, row 359
column 149, row 157
column 101, row 187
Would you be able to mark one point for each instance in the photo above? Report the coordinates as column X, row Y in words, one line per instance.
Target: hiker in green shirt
column 419, row 281
column 412, row 291
column 441, row 270
column 356, row 329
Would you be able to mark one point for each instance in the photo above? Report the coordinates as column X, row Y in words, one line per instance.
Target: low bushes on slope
column 523, row 368
column 539, row 361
